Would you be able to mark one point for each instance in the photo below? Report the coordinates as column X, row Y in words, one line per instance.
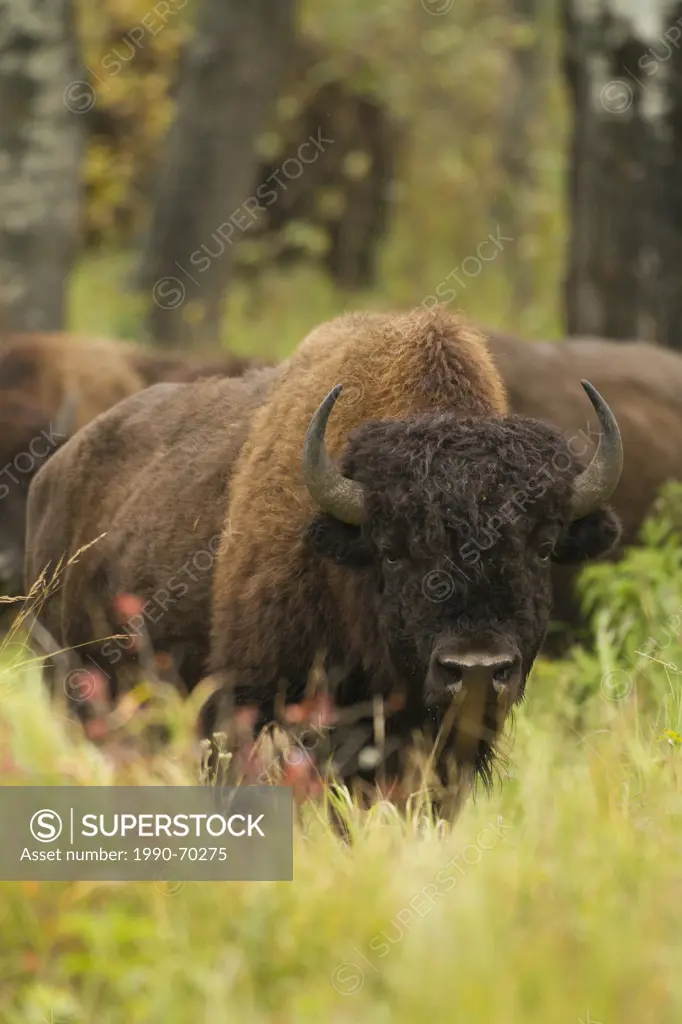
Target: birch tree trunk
column 41, row 148
column 623, row 62
column 229, row 78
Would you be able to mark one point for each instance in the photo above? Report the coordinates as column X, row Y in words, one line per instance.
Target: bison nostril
column 452, row 667
column 502, row 676
column 454, row 673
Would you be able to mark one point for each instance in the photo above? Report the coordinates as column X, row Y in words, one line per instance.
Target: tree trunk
column 42, row 103
column 623, row 62
column 523, row 96
column 229, row 79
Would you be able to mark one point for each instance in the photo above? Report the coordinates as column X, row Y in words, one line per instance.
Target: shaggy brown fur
column 43, row 377
column 291, row 582
column 644, row 387
column 48, row 367
column 152, row 473
column 99, row 371
column 39, row 373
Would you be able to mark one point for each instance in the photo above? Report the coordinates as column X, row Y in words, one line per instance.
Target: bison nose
column 454, row 672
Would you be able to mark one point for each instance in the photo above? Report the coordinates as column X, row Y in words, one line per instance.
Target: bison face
column 460, row 523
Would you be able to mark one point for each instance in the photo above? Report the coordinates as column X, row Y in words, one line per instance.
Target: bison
column 417, row 553
column 644, row 385
column 51, row 385
column 152, row 474
column 415, row 558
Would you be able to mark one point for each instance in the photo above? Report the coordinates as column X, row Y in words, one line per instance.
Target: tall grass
column 554, row 898
column 556, row 895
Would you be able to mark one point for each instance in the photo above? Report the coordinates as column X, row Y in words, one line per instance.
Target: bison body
column 152, row 475
column 644, row 387
column 52, row 385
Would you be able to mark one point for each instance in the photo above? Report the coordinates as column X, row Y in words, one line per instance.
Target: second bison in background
column 52, row 385
column 644, row 387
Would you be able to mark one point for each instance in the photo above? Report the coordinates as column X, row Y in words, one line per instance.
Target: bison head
column 451, row 526
column 30, row 436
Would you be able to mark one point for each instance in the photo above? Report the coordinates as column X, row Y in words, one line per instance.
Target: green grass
column 268, row 321
column 270, row 316
column 556, row 895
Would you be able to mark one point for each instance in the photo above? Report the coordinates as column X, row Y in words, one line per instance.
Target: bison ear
column 340, row 543
column 590, row 537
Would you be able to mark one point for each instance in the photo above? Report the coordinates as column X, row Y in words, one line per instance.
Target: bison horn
column 598, row 480
column 334, row 493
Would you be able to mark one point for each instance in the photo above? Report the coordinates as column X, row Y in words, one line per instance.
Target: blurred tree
column 228, row 80
column 41, row 148
column 623, row 61
column 449, row 123
column 522, row 99
column 334, row 206
column 335, row 210
column 131, row 51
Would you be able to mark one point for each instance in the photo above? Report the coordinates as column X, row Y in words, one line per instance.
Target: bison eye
column 544, row 552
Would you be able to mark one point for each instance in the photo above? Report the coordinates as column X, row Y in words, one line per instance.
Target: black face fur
column 463, row 521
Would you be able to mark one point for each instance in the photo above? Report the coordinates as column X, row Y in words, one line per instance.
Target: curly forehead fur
column 422, row 424
column 437, row 474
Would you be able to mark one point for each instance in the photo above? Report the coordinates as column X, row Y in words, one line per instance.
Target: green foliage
column 450, row 84
column 638, row 601
column 635, row 652
column 131, row 50
column 533, row 928
column 447, row 80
